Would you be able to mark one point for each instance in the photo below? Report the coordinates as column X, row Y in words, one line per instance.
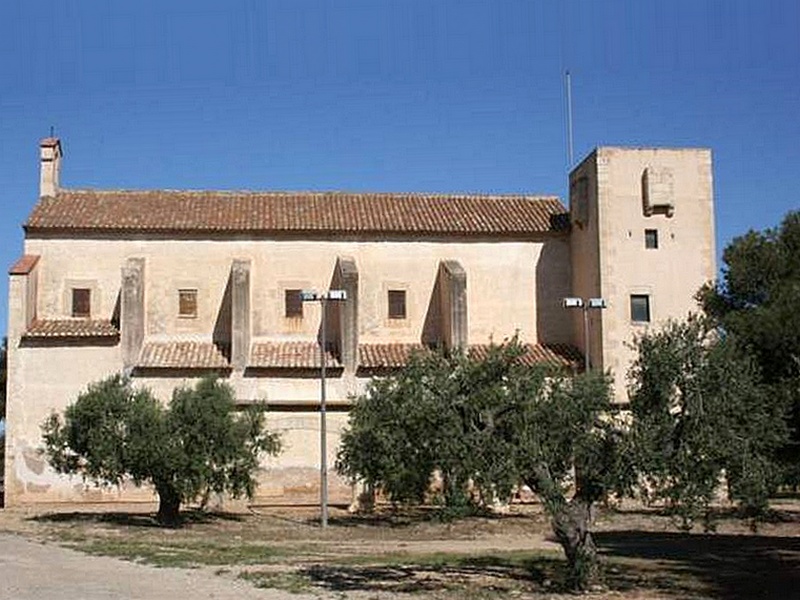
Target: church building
column 168, row 286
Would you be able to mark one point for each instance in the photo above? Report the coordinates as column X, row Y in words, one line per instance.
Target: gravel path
column 32, row 571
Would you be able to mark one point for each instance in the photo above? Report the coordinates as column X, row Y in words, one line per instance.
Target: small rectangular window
column 187, row 303
column 397, row 304
column 651, row 239
column 81, row 302
column 293, row 304
column 640, row 308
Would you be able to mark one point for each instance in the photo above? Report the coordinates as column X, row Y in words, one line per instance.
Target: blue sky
column 417, row 95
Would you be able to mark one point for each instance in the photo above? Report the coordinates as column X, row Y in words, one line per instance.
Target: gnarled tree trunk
column 571, row 521
column 169, row 504
column 571, row 524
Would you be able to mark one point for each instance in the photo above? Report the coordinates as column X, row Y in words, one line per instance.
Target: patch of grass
column 510, row 559
column 68, row 536
column 179, row 554
column 287, row 581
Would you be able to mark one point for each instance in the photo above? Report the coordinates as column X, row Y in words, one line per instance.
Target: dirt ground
column 420, row 553
column 33, row 571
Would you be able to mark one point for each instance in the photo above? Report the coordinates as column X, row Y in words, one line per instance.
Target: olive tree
column 700, row 416
column 485, row 426
column 195, row 445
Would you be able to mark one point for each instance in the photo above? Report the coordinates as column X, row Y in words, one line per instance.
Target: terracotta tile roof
column 289, row 355
column 24, row 264
column 71, row 328
column 296, row 212
column 392, row 356
column 561, row 355
column 386, row 356
column 181, row 355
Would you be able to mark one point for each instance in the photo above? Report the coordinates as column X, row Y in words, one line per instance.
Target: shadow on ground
column 410, row 516
column 729, row 567
column 717, row 514
column 134, row 519
column 489, row 573
column 678, row 565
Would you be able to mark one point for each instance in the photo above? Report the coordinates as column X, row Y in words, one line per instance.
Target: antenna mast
column 570, row 154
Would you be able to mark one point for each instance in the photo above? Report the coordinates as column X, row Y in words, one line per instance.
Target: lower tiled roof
column 393, row 356
column 386, row 356
column 562, row 355
column 181, row 355
column 289, row 355
column 71, row 328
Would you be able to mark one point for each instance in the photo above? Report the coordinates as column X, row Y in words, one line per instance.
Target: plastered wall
column 512, row 286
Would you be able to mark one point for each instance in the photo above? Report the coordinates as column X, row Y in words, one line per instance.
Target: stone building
column 170, row 285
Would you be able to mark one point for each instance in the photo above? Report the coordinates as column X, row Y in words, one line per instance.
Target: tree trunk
column 169, row 503
column 571, row 523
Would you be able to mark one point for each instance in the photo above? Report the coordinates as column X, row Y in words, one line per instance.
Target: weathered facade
column 169, row 285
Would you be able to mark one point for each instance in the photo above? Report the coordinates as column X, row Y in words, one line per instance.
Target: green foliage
column 195, row 446
column 485, row 426
column 92, row 438
column 701, row 414
column 392, row 439
column 756, row 303
column 438, row 416
column 565, row 425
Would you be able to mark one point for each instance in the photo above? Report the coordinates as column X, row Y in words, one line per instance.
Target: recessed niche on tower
column 658, row 192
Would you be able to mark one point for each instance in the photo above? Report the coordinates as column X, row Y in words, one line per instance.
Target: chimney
column 50, row 166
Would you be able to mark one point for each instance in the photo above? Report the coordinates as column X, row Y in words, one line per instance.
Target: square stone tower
column 643, row 240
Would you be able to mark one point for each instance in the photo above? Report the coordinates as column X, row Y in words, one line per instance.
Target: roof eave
column 32, row 230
